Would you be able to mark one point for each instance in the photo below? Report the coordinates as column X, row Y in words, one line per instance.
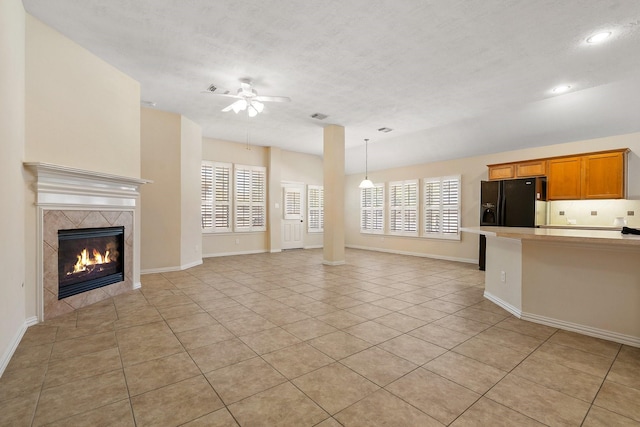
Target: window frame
column 215, row 200
column 312, row 210
column 251, row 201
column 441, row 207
column 376, row 213
column 404, row 209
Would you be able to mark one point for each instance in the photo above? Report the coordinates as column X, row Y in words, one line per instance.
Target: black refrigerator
column 511, row 203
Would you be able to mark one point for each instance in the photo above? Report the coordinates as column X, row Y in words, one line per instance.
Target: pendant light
column 366, row 182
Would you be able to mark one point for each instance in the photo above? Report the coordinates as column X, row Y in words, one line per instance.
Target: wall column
column 334, row 179
column 274, row 210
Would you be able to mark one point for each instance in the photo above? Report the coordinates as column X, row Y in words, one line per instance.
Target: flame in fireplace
column 86, row 262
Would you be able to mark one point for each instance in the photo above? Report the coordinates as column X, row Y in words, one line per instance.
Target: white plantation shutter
column 315, row 208
column 215, row 181
column 403, row 208
column 250, row 198
column 442, row 207
column 292, row 203
column 372, row 209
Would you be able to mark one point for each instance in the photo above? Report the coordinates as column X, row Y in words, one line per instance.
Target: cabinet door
column 501, row 172
column 603, row 176
column 564, row 179
column 533, row 168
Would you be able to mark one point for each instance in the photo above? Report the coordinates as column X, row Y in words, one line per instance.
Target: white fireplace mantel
column 64, row 189
column 61, row 185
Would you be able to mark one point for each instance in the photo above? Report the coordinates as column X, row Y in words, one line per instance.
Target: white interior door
column 293, row 216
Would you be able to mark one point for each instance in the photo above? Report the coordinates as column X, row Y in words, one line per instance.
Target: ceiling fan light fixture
column 252, row 111
column 259, row 106
column 239, row 105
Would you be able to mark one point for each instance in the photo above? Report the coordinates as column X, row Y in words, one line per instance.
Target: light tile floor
column 281, row 340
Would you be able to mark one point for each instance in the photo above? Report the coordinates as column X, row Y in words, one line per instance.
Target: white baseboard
column 137, row 285
column 332, row 263
column 221, row 254
column 314, row 247
column 567, row 326
column 583, row 329
column 275, row 251
column 13, row 345
column 419, row 254
column 510, row 308
column 169, row 269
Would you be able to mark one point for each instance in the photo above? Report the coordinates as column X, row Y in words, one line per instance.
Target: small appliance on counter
column 512, row 203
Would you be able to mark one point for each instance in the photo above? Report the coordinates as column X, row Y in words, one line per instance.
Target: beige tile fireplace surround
column 55, row 220
column 68, row 199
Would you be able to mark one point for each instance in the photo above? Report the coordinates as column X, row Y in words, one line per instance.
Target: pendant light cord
column 366, row 158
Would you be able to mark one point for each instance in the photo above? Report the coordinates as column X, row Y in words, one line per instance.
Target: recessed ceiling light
column 599, row 37
column 561, row 89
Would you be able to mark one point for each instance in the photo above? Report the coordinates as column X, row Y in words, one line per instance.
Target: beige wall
column 190, row 161
column 160, row 201
column 12, row 141
column 307, row 169
column 81, row 111
column 293, row 167
column 216, row 244
column 473, row 170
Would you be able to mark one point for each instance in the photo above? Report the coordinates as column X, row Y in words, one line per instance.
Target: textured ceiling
column 453, row 78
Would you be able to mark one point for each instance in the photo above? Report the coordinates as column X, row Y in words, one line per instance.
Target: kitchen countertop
column 610, row 237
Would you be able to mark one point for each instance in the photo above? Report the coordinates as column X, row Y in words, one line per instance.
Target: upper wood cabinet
column 518, row 170
column 598, row 175
column 501, row 171
column 531, row 168
column 603, row 175
column 564, row 179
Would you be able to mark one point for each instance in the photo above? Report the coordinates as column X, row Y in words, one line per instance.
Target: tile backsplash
column 596, row 213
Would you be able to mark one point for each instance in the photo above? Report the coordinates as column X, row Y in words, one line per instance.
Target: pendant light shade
column 366, row 182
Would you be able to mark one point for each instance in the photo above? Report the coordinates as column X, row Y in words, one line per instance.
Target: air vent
column 319, row 116
column 212, row 88
column 385, row 130
column 147, row 103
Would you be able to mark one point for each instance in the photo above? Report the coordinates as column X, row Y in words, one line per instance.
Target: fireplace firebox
column 89, row 258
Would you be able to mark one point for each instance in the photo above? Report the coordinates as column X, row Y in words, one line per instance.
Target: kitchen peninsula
column 586, row 281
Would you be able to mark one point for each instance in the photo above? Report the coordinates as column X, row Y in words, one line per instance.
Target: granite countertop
column 599, row 236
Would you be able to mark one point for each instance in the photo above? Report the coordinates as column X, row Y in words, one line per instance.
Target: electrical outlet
column 503, row 277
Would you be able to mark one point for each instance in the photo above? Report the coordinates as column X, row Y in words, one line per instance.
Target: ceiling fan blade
column 272, row 98
column 228, row 108
column 226, row 95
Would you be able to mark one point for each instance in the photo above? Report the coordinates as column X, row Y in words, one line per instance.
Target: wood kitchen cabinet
column 589, row 176
column 603, row 175
column 598, row 175
column 518, row 170
column 564, row 180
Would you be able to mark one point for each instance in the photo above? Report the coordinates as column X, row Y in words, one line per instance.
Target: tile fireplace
column 87, row 238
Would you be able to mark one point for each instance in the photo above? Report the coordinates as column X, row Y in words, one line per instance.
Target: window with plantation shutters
column 250, row 207
column 315, row 209
column 442, row 207
column 215, row 180
column 372, row 209
column 403, row 208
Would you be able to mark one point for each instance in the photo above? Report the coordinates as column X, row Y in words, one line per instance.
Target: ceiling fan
column 247, row 98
